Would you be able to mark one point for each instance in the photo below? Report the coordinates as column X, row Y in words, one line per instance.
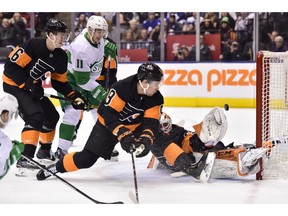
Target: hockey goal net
column 272, row 113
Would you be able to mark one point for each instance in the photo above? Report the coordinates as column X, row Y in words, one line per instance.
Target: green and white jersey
column 85, row 61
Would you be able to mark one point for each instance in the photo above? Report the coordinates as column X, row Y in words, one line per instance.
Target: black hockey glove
column 36, row 89
column 126, row 138
column 80, row 102
column 143, row 144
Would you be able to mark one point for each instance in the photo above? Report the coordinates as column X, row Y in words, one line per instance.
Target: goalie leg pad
column 207, row 170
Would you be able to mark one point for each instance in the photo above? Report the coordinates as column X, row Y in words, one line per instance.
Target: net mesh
column 275, row 114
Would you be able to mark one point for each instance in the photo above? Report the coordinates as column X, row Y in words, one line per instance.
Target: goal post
column 272, row 113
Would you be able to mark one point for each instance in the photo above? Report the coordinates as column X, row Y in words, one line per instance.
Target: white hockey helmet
column 165, row 123
column 213, row 127
column 8, row 103
column 98, row 22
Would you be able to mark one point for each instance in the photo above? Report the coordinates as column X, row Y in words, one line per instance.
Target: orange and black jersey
column 124, row 106
column 33, row 59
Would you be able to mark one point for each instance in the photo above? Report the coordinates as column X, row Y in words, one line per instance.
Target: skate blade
column 46, row 162
column 178, row 174
column 24, row 172
column 113, row 159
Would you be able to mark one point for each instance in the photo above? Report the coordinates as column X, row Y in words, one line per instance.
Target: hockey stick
column 58, row 97
column 134, row 174
column 108, row 73
column 67, row 99
column 67, row 183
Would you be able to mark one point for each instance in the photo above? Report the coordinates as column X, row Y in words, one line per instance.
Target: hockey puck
column 226, row 107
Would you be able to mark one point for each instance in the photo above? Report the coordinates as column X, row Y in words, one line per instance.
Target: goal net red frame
column 272, row 113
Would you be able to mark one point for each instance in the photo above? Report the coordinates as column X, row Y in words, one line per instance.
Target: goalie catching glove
column 143, row 144
column 79, row 102
column 126, row 138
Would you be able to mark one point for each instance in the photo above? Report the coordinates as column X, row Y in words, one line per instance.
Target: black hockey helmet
column 55, row 25
column 149, row 71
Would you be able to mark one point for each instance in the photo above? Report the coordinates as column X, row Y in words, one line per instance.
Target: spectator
column 172, row 25
column 205, row 53
column 127, row 41
column 19, row 23
column 155, row 34
column 271, row 44
column 151, row 22
column 207, row 27
column 80, row 23
column 1, row 16
column 183, row 54
column 112, row 31
column 8, row 34
column 279, row 45
column 231, row 18
column 234, row 54
column 133, row 25
column 188, row 28
column 227, row 35
column 144, row 37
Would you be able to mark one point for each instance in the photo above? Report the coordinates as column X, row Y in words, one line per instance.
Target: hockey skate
column 60, row 153
column 252, row 156
column 114, row 156
column 25, row 168
column 44, row 174
column 202, row 169
column 45, row 156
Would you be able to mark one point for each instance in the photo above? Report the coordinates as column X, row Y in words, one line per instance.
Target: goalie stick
column 67, row 183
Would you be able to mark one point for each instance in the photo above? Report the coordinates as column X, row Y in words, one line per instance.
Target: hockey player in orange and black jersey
column 129, row 115
column 24, row 71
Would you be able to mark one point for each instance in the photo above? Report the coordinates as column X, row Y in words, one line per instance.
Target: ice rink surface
column 112, row 181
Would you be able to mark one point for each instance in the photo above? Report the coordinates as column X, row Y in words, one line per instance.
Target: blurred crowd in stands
column 142, row 31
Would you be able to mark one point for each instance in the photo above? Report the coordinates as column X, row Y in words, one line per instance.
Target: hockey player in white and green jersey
column 85, row 63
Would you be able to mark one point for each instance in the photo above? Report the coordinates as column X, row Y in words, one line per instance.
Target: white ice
column 112, row 181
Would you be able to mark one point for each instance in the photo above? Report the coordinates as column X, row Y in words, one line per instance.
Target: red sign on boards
column 133, row 55
column 174, row 42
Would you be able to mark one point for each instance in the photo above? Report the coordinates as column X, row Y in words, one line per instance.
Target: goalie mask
column 97, row 22
column 165, row 123
column 8, row 103
column 213, row 127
